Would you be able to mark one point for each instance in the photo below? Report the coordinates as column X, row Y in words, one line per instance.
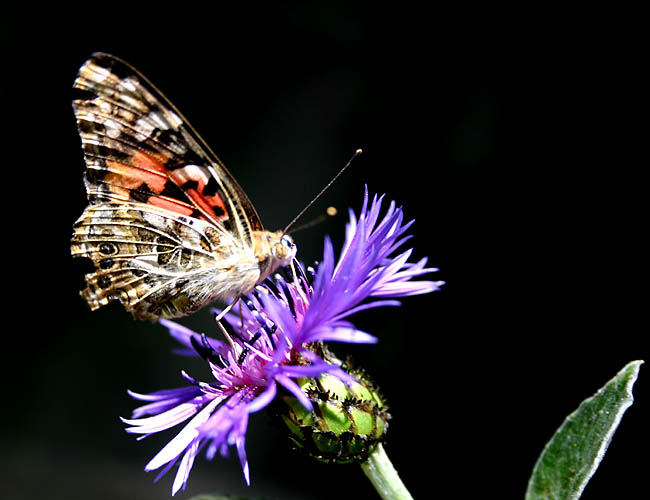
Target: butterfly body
column 167, row 227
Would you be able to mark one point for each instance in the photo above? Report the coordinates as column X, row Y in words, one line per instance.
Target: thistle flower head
column 271, row 343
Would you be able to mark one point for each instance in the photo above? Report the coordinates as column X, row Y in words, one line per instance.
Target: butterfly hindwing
column 154, row 263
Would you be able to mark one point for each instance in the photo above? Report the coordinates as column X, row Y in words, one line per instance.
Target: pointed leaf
column 572, row 455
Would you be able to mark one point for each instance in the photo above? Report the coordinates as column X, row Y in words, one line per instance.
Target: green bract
column 346, row 420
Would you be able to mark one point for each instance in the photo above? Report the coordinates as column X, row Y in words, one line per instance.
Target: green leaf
column 572, row 455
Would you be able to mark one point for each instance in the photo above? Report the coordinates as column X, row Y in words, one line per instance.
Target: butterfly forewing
column 138, row 147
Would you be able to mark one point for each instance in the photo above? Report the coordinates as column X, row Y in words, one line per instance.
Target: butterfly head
column 283, row 250
column 273, row 250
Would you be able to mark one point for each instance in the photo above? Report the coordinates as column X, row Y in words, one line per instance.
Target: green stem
column 384, row 477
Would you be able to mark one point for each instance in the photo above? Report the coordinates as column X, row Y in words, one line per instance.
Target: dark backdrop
column 509, row 135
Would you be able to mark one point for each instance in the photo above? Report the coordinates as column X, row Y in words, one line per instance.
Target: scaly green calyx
column 346, row 422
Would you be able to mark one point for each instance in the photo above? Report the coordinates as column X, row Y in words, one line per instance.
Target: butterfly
column 167, row 227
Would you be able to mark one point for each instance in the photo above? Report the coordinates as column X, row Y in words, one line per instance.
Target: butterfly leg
column 227, row 335
column 255, row 338
column 227, row 310
column 221, row 315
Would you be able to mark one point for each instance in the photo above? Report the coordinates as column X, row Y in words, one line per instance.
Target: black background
column 511, row 136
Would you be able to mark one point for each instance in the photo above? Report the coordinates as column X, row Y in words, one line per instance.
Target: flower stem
column 384, row 477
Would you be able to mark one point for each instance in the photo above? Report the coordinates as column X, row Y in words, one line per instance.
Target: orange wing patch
column 143, row 176
column 194, row 181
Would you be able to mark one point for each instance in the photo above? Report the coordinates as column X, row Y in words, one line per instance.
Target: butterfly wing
column 139, row 148
column 156, row 263
column 166, row 224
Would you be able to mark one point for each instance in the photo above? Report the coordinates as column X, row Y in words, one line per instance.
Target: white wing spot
column 128, row 84
column 113, row 129
column 157, row 119
column 190, row 173
column 144, row 126
column 176, row 121
column 131, row 102
column 95, row 73
column 105, row 107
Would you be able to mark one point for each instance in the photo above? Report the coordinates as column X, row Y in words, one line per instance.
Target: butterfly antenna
column 295, row 219
column 330, row 212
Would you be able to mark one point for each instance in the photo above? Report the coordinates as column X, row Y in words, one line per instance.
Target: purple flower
column 269, row 344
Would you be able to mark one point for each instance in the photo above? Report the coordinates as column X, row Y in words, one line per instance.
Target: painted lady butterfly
column 167, row 226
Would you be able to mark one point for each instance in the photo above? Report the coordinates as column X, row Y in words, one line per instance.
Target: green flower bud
column 346, row 422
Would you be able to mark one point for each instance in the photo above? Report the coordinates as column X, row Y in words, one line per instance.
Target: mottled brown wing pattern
column 157, row 264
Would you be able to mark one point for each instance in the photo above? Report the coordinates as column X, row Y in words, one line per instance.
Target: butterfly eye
column 285, row 249
column 287, row 241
